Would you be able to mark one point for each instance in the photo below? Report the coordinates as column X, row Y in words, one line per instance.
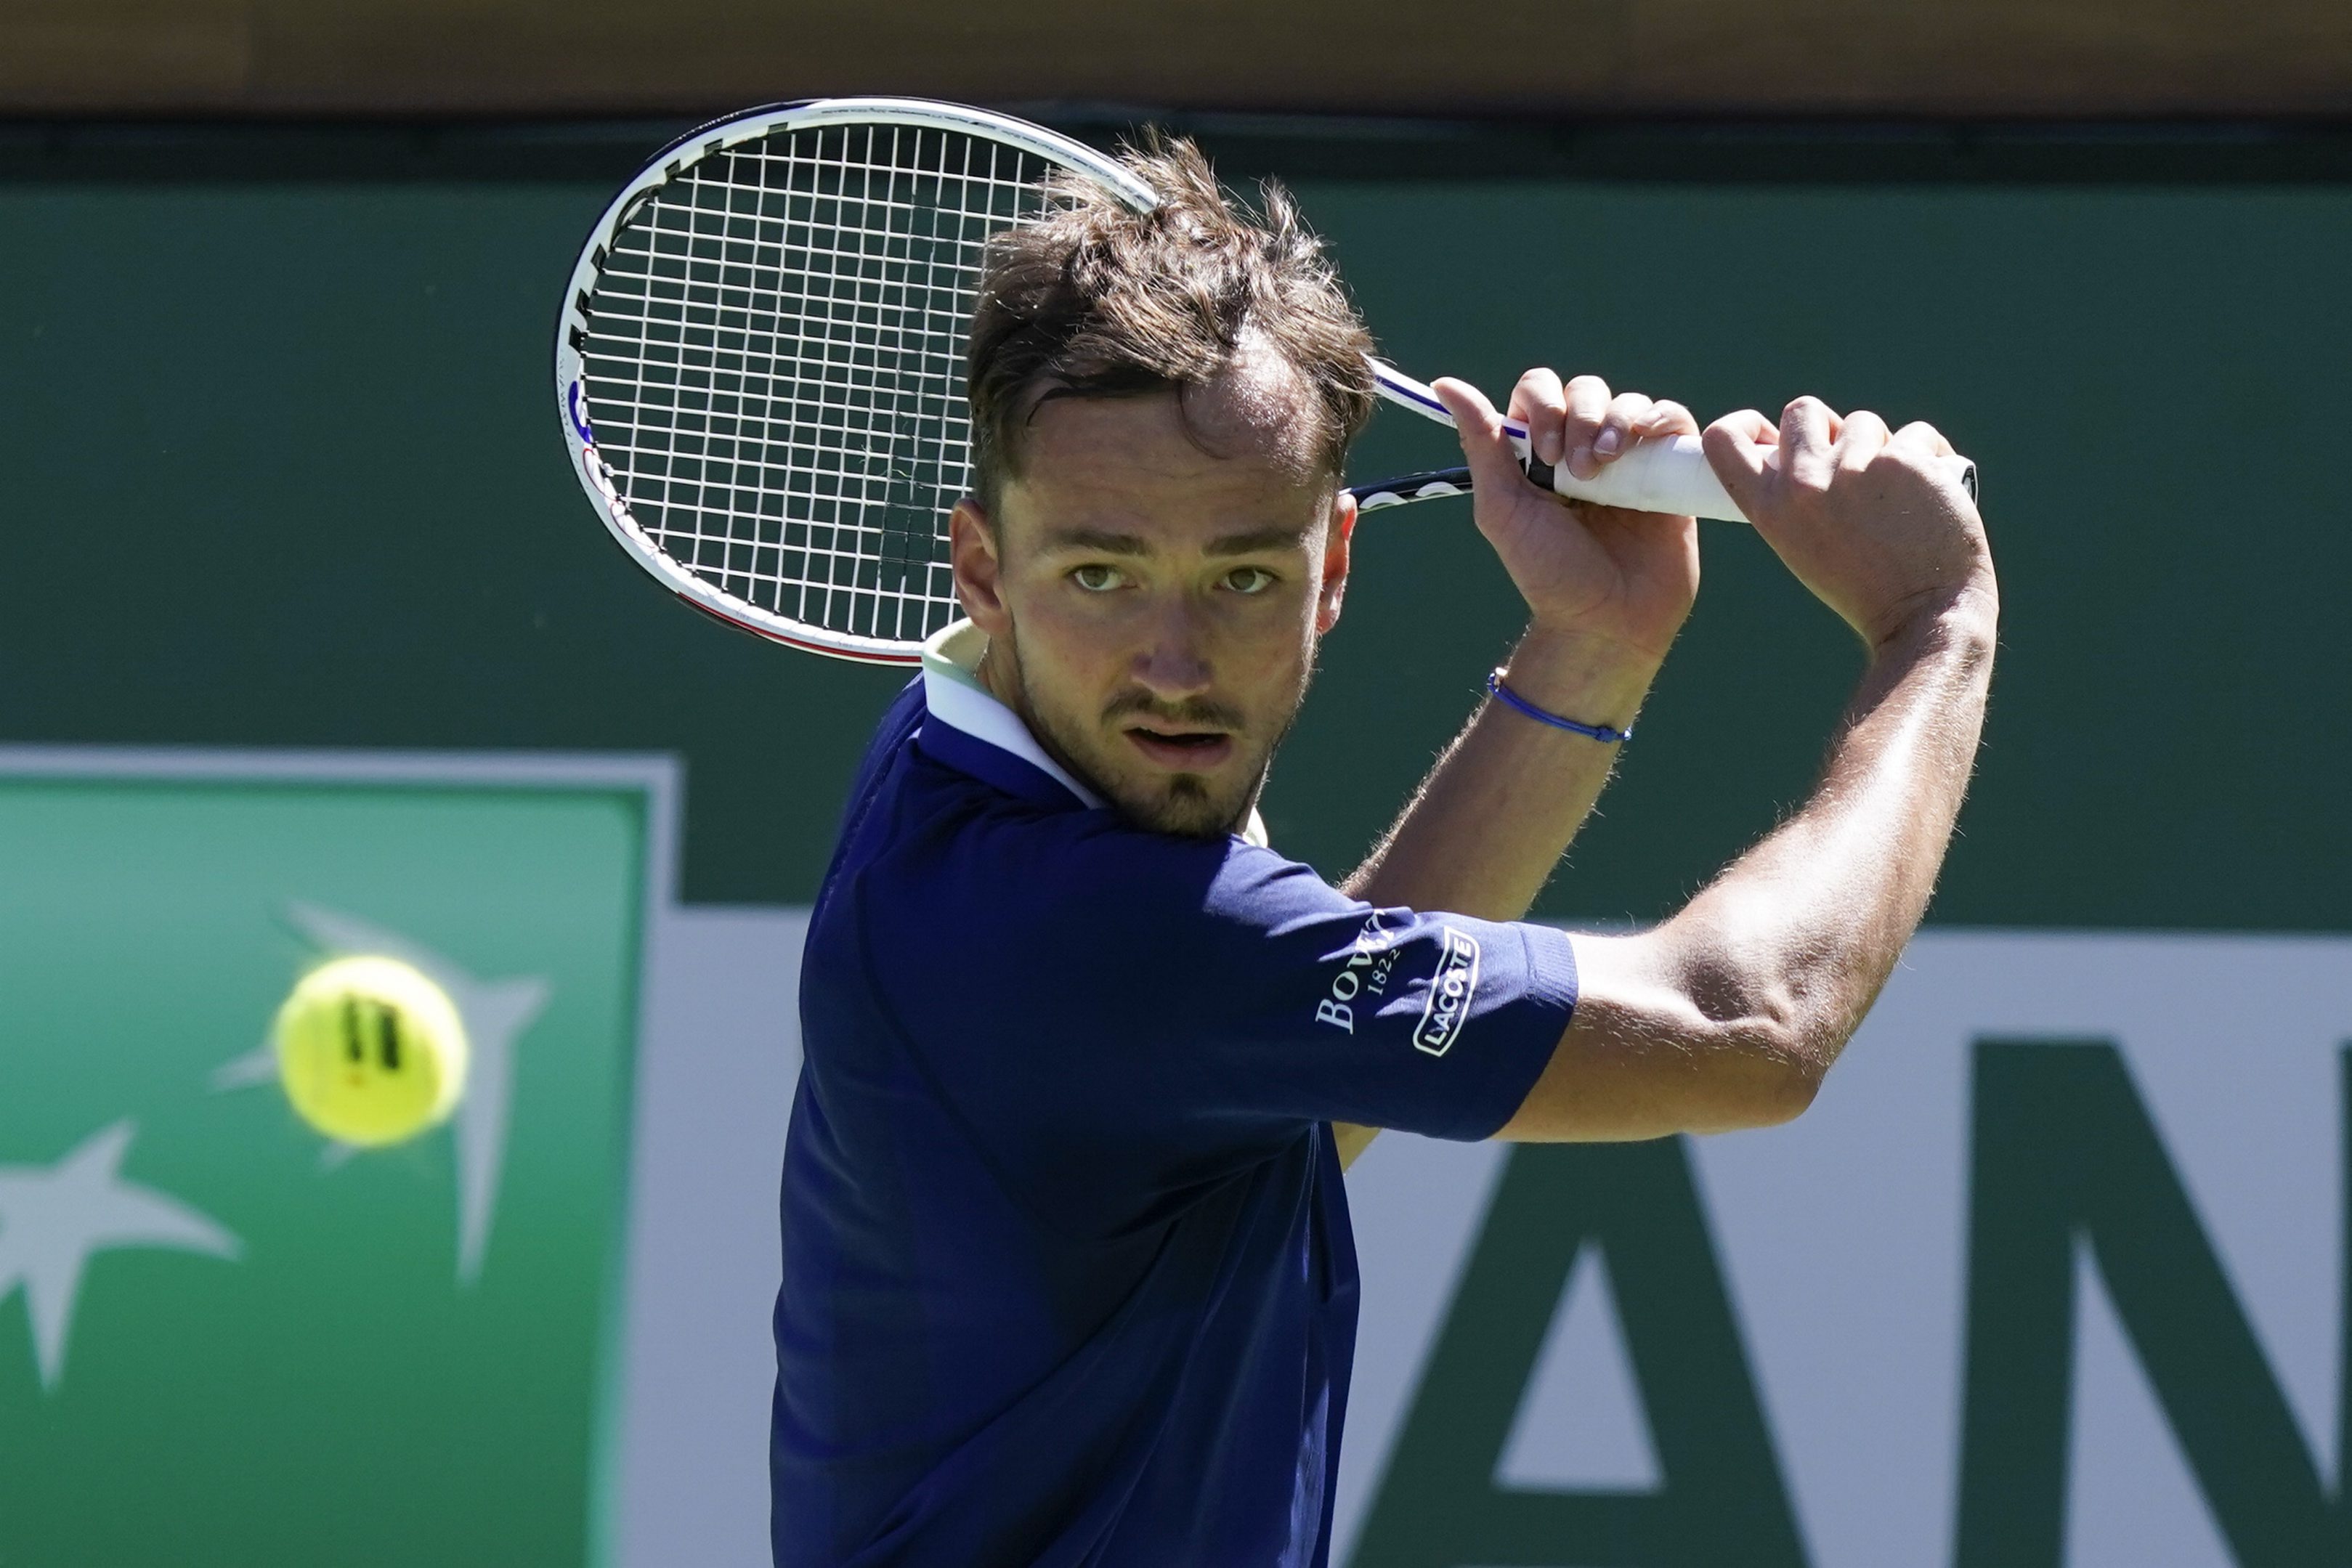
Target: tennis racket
column 761, row 364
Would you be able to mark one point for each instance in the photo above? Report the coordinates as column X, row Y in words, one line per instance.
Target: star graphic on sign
column 495, row 1013
column 54, row 1218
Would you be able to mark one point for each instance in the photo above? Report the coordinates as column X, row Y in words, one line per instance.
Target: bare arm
column 1607, row 591
column 1728, row 1014
column 1484, row 830
column 1487, row 827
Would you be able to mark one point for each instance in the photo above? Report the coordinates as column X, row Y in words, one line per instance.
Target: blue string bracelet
column 1600, row 732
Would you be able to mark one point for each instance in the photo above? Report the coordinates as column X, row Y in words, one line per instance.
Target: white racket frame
column 588, row 466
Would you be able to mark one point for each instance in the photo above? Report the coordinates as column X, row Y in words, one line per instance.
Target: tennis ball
column 371, row 1050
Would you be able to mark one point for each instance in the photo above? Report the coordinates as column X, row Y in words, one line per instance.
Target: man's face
column 1153, row 587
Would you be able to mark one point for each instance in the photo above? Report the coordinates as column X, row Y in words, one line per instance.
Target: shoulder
column 901, row 722
column 1010, row 887
column 1052, row 865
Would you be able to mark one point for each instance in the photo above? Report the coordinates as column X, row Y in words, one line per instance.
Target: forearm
column 1484, row 831
column 1798, row 936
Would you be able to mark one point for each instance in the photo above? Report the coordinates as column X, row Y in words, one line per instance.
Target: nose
column 1172, row 664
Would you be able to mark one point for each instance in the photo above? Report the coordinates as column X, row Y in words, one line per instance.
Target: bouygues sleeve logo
column 1448, row 1008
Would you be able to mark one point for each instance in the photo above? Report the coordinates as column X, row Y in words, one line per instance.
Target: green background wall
column 335, row 1380
column 284, row 470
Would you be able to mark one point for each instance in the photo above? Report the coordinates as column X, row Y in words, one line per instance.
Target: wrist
column 1598, row 680
column 1962, row 619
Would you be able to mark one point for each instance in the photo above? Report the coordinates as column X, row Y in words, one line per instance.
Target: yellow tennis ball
column 371, row 1050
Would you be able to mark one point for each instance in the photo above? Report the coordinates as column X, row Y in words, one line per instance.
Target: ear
column 1338, row 539
column 972, row 551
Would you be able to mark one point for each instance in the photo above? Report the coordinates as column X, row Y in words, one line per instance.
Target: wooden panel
column 1977, row 57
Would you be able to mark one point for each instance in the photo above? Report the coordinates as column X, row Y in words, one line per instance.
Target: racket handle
column 1673, row 474
column 1669, row 475
column 1654, row 476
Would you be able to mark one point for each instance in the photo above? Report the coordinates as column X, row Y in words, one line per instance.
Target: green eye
column 1249, row 580
column 1097, row 578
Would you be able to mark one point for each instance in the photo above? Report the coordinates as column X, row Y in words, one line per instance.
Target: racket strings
column 774, row 365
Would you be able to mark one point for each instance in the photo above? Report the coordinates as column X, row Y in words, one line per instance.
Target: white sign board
column 2051, row 1274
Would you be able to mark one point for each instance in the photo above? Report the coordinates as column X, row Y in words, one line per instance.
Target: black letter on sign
column 2065, row 1155
column 1722, row 1501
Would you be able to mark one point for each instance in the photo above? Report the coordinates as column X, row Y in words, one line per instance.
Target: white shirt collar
column 953, row 693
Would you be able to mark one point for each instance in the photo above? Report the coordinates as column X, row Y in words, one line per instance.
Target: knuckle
column 1910, row 459
column 1811, row 478
column 1734, row 432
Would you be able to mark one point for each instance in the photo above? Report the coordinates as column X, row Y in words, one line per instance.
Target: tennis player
column 1068, row 1278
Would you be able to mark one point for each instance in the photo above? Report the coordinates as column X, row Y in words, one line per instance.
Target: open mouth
column 1183, row 751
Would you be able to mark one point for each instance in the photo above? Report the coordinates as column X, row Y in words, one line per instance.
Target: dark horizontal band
column 1600, row 732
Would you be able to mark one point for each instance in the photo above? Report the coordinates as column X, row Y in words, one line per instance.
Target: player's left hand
column 1593, row 572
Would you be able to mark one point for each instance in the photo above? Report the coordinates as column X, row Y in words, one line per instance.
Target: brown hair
column 1102, row 300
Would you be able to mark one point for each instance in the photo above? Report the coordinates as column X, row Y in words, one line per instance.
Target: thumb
column 1486, row 449
column 1739, row 448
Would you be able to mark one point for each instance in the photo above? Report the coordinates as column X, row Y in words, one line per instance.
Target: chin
column 1184, row 804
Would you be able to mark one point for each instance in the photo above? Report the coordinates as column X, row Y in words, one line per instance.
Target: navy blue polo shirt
column 1067, row 1271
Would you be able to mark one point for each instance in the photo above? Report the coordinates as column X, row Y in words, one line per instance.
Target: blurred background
column 309, row 645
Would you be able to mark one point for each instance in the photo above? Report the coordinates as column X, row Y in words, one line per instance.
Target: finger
column 1616, row 432
column 1751, row 427
column 1862, row 437
column 1919, row 433
column 1587, row 409
column 1486, row 449
column 1739, row 448
column 1540, row 404
column 1808, row 437
column 1667, row 419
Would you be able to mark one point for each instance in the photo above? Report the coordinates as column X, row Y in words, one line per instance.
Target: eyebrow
column 1255, row 541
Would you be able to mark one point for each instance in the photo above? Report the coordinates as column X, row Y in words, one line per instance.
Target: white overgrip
column 1672, row 474
column 1668, row 474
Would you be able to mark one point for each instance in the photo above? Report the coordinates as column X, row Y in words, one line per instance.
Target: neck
column 998, row 673
column 1001, row 681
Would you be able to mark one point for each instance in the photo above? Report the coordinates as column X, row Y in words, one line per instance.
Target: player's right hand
column 1867, row 519
column 1590, row 572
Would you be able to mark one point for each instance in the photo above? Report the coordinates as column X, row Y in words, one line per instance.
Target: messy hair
column 1095, row 298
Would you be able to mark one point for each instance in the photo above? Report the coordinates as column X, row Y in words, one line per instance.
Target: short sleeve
column 1163, row 1005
